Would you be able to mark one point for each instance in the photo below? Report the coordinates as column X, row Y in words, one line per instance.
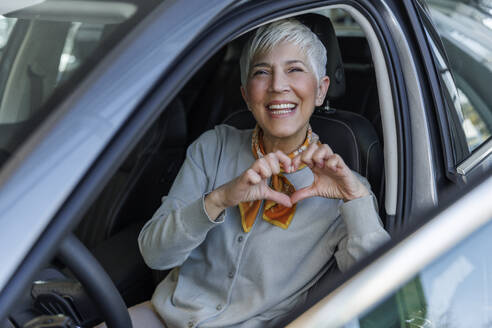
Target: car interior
column 349, row 121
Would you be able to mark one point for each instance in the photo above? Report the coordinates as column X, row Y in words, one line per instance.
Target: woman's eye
column 295, row 69
column 259, row 72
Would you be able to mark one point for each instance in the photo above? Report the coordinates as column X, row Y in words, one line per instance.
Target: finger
column 328, row 148
column 296, row 162
column 307, row 156
column 301, row 194
column 252, row 177
column 278, row 197
column 335, row 163
column 285, row 161
column 321, row 154
column 262, row 168
column 273, row 162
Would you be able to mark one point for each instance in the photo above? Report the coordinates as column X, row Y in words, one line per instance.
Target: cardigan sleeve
column 361, row 230
column 181, row 223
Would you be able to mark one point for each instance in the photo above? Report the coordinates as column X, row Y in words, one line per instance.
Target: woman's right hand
column 251, row 185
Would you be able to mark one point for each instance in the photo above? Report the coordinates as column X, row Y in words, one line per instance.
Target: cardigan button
column 190, row 324
column 219, row 307
column 240, row 239
column 230, row 274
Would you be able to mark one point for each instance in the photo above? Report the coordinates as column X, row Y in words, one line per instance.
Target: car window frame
column 444, row 102
column 64, row 211
column 457, row 170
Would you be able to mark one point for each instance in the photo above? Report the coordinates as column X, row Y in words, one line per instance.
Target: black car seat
column 361, row 94
column 349, row 134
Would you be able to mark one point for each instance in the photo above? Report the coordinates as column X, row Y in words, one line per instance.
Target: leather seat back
column 323, row 28
column 354, row 138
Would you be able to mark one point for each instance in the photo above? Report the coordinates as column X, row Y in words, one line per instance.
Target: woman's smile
column 280, row 109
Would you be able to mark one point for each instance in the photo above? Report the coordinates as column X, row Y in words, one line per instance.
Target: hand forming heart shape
column 332, row 179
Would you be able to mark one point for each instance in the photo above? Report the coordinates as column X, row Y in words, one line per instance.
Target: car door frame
column 454, row 172
column 115, row 130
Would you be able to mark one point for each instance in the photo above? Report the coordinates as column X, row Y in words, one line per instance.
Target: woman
column 254, row 216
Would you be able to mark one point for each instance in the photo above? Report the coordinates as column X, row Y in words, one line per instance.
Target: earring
column 326, row 108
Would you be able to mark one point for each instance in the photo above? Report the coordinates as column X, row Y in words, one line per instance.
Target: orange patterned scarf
column 276, row 214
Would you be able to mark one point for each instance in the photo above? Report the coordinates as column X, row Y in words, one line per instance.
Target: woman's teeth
column 281, row 106
column 279, row 109
column 278, row 112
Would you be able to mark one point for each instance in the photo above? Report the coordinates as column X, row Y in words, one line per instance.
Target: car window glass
column 80, row 41
column 41, row 76
column 454, row 291
column 75, row 36
column 465, row 30
column 6, row 26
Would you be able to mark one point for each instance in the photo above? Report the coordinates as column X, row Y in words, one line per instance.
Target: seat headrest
column 323, row 28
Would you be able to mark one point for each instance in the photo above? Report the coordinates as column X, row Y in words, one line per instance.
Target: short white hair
column 286, row 30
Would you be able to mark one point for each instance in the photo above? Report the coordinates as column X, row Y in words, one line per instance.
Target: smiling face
column 281, row 92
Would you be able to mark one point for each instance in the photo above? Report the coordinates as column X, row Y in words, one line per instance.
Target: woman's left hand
column 332, row 177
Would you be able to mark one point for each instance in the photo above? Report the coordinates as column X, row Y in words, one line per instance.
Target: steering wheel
column 96, row 282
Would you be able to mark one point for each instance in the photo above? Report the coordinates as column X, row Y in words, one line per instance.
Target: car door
column 43, row 175
column 425, row 279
